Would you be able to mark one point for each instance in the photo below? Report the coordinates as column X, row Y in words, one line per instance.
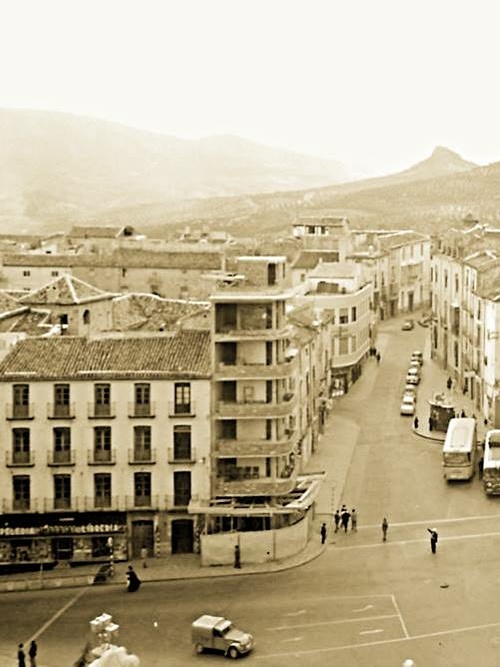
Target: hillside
column 58, row 168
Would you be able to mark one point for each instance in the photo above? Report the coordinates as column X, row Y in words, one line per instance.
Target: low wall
column 47, row 582
column 256, row 546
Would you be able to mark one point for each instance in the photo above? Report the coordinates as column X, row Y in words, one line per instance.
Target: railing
column 13, row 459
column 142, row 456
column 142, row 502
column 90, row 503
column 101, row 410
column 181, row 456
column 178, row 501
column 242, row 370
column 267, row 448
column 182, row 409
column 64, row 457
column 58, row 504
column 14, row 411
column 101, row 457
column 141, row 409
column 266, row 486
column 257, row 409
column 56, row 411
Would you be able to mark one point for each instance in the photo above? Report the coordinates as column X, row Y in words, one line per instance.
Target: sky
column 375, row 84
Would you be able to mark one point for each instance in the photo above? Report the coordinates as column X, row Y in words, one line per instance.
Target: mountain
column 60, row 168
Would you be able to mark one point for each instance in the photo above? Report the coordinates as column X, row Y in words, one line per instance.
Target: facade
column 103, row 439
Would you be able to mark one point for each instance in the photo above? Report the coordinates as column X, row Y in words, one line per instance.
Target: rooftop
column 65, row 290
column 309, row 259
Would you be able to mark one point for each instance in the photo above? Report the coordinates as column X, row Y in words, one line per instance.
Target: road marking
column 401, row 620
column 371, row 632
column 368, row 606
column 337, row 622
column 57, row 615
column 292, row 639
column 296, row 613
column 450, row 538
column 428, row 522
column 380, row 642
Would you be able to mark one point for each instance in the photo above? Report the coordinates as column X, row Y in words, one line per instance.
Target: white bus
column 491, row 464
column 459, row 449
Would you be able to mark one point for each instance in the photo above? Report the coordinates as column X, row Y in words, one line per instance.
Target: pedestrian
column 462, row 414
column 385, row 526
column 434, row 539
column 144, row 555
column 449, row 383
column 431, row 424
column 480, row 466
column 415, row 423
column 133, row 581
column 32, row 651
column 354, row 520
column 336, row 518
column 345, row 516
column 378, row 357
column 21, row 657
column 323, row 532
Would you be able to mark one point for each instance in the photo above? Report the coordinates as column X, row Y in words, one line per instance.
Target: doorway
column 142, row 535
column 182, row 536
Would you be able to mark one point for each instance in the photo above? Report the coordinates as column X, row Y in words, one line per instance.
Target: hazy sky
column 376, row 84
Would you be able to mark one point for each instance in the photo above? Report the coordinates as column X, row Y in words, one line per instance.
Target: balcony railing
column 56, row 411
column 141, row 409
column 90, row 503
column 142, row 502
column 14, row 411
column 64, row 457
column 260, row 486
column 182, row 409
column 101, row 457
column 19, row 459
column 257, row 409
column 242, row 370
column 252, row 448
column 101, row 410
column 178, row 501
column 58, row 504
column 181, row 455
column 142, row 456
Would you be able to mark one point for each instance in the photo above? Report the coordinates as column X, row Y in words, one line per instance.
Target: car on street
column 407, row 405
column 417, row 355
column 410, row 390
column 407, row 325
column 219, row 634
column 413, row 376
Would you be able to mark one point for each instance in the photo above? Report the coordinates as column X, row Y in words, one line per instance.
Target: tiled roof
column 30, row 322
column 85, row 232
column 150, row 312
column 309, row 259
column 398, row 239
column 26, row 259
column 185, row 354
column 8, row 303
column 65, row 290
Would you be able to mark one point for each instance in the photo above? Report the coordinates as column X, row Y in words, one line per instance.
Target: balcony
column 227, row 334
column 182, row 409
column 18, row 505
column 181, row 455
column 101, row 457
column 233, row 409
column 60, row 504
column 141, row 410
column 101, row 410
column 55, row 411
column 257, row 486
column 141, row 456
column 246, row 371
column 179, row 501
column 255, row 448
column 63, row 457
column 14, row 411
column 19, row 459
column 143, row 502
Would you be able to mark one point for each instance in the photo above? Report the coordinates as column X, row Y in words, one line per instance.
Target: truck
column 491, row 462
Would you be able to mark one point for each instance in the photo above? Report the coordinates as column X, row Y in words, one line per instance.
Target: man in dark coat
column 323, row 533
column 434, row 539
column 21, row 657
column 133, row 582
column 345, row 516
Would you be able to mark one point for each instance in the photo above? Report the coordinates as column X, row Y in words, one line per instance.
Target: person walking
column 449, row 383
column 462, row 414
column 415, row 423
column 354, row 520
column 345, row 516
column 237, row 556
column 378, row 357
column 133, row 581
column 323, row 532
column 32, row 651
column 480, row 466
column 431, row 424
column 434, row 539
column 144, row 555
column 385, row 526
column 21, row 657
column 336, row 519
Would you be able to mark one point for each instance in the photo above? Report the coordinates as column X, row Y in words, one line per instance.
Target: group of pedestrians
column 342, row 518
column 21, row 655
column 375, row 353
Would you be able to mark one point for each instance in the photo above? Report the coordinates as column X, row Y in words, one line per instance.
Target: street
column 363, row 602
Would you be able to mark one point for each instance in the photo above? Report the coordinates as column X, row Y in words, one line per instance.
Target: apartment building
column 104, row 438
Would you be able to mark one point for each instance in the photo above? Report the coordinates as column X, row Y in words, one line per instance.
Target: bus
column 491, row 465
column 459, row 449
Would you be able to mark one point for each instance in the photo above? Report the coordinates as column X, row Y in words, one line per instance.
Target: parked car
column 408, row 325
column 219, row 634
column 413, row 376
column 414, row 363
column 417, row 355
column 410, row 390
column 407, row 405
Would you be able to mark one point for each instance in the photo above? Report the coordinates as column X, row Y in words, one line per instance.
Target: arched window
column 86, row 316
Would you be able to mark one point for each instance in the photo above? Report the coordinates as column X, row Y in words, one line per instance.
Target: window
column 353, row 313
column 62, row 492
column 26, row 274
column 344, row 316
column 142, row 443
column 142, row 489
column 182, row 488
column 54, row 274
column 102, row 443
column 182, row 398
column 62, row 445
column 86, row 316
column 61, row 400
column 102, row 400
column 21, row 492
column 21, row 400
column 102, row 490
column 182, row 442
column 343, row 346
column 20, row 445
column 142, row 406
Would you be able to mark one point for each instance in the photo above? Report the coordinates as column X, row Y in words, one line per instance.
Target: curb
column 426, row 436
